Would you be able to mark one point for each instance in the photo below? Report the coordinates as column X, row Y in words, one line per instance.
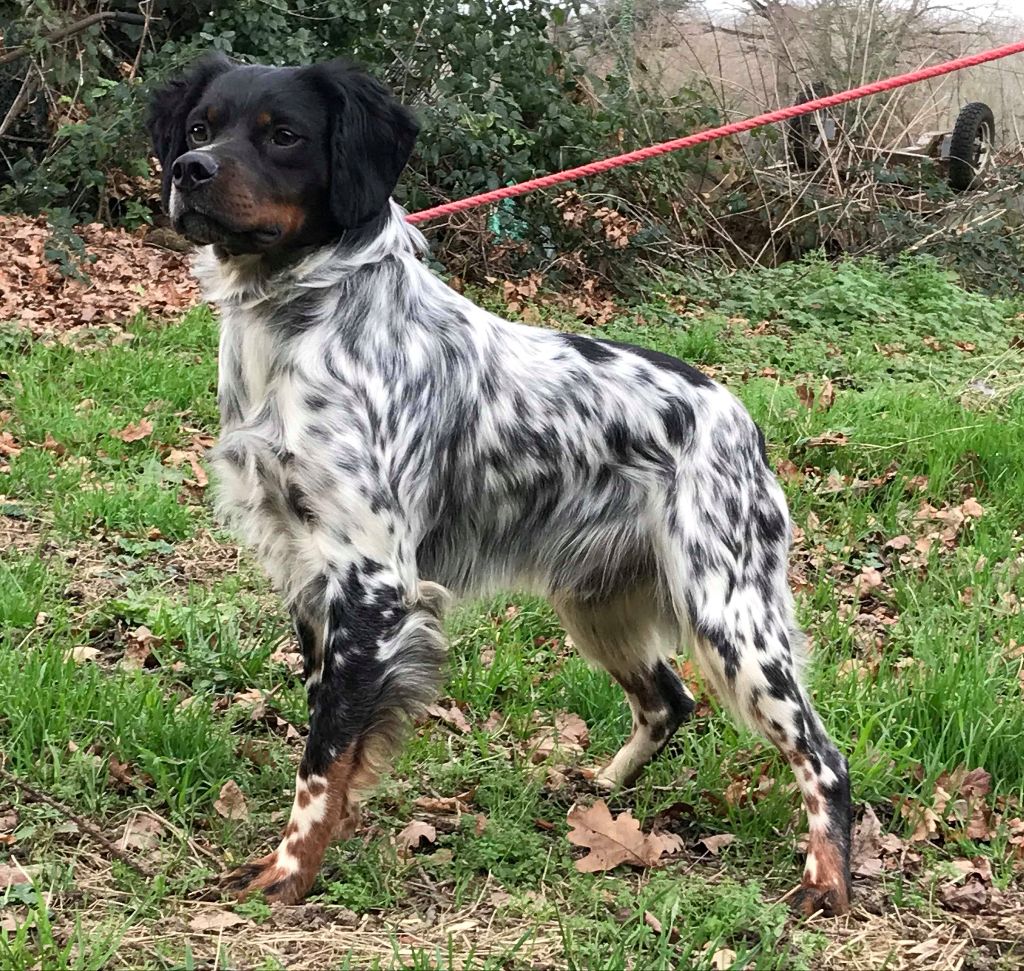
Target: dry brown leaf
column 789, row 471
column 869, row 579
column 138, row 651
column 967, row 897
column 215, row 920
column 827, row 396
column 83, row 653
column 414, row 835
column 134, row 432
column 828, row 438
column 231, row 802
column 15, row 874
column 50, row 444
column 971, row 508
column 613, row 841
column 723, row 959
column 8, row 446
column 142, row 833
column 253, row 699
column 569, row 736
column 652, row 922
column 451, row 805
column 923, row 818
column 714, row 844
column 202, row 480
column 805, row 395
column 494, row 722
column 286, row 655
column 121, row 772
column 451, row 715
column 259, row 753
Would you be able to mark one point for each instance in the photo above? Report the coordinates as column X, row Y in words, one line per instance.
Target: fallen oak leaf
column 8, row 446
column 11, row 876
column 570, row 736
column 414, row 835
column 450, row 716
column 231, row 802
column 450, row 805
column 613, row 841
column 828, row 438
column 202, row 480
column 723, row 959
column 714, row 844
column 218, row 920
column 827, row 397
column 134, row 432
column 139, row 650
column 972, row 509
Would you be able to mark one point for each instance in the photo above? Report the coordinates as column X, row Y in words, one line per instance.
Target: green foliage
column 500, row 96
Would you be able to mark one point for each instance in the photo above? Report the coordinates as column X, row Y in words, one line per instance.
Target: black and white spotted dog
column 384, row 440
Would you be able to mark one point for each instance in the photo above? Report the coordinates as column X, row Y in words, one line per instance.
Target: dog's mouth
column 202, row 228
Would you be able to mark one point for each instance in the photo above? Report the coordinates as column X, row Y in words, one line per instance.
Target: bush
column 500, row 96
column 503, row 96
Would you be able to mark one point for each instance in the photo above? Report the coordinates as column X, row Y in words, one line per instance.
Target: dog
column 385, row 441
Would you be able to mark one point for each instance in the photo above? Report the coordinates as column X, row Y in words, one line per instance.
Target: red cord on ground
column 710, row 134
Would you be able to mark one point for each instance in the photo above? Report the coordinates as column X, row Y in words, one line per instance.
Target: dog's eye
column 199, row 133
column 284, row 137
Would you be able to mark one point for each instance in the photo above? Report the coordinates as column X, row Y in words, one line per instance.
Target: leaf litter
column 616, row 840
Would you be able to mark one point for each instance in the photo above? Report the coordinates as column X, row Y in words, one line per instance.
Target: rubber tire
column 962, row 175
column 800, row 131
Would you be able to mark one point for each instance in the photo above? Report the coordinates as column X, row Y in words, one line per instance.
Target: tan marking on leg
column 824, row 877
column 324, row 809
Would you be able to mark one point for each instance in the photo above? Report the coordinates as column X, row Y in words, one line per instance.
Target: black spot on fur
column 591, row 349
column 298, row 503
column 666, row 362
column 679, row 421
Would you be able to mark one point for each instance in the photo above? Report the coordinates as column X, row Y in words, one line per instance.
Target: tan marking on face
column 263, row 119
column 285, row 216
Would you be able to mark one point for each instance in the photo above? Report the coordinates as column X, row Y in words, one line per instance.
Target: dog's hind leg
column 377, row 663
column 735, row 597
column 629, row 638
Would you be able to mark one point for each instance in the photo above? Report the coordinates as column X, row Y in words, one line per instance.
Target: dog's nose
column 193, row 169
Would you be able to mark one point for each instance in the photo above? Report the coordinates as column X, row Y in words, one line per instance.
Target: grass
column 916, row 677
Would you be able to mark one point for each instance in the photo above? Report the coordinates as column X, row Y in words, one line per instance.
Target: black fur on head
column 372, row 137
column 169, row 107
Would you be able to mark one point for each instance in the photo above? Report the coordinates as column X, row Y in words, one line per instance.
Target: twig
column 84, row 825
column 146, row 6
column 76, row 28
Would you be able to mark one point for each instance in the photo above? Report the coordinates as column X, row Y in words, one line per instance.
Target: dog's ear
column 170, row 105
column 371, row 139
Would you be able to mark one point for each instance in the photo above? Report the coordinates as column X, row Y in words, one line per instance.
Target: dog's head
column 262, row 159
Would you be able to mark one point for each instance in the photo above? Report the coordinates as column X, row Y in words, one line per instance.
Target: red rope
column 710, row 134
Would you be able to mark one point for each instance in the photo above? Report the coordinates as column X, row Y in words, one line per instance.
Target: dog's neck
column 252, row 279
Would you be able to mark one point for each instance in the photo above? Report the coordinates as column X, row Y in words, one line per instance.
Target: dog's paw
column 277, row 883
column 829, row 901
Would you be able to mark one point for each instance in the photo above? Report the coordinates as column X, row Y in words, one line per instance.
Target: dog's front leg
column 380, row 664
